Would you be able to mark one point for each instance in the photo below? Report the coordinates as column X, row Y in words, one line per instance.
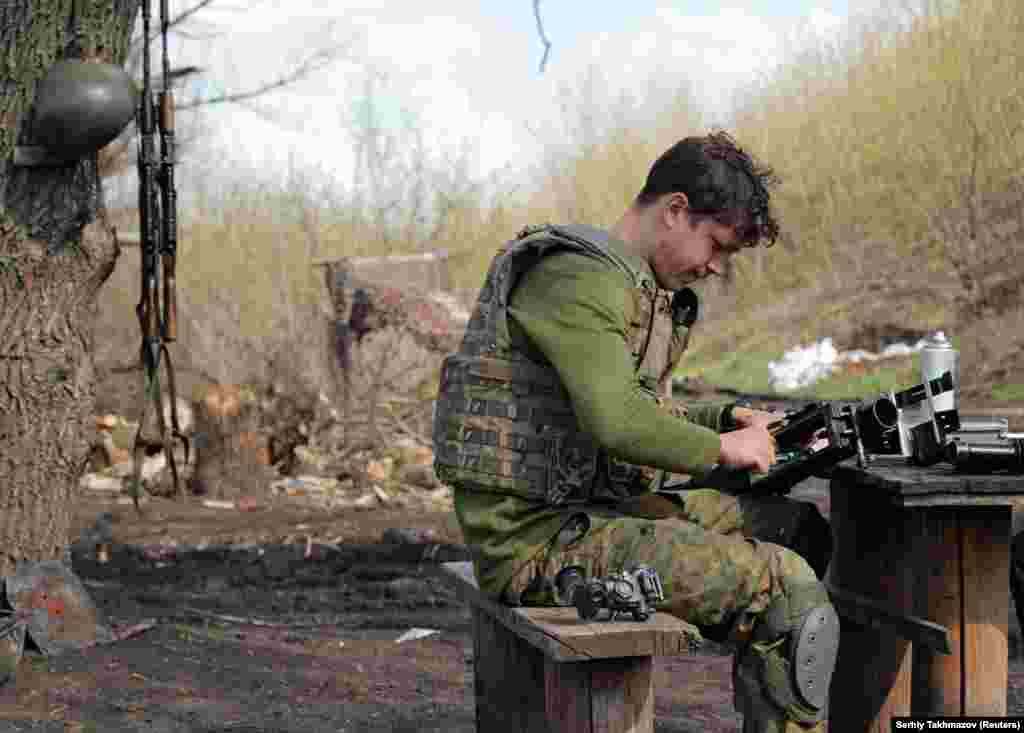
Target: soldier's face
column 689, row 250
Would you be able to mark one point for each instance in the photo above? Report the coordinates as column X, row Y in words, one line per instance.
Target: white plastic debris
column 413, row 634
column 218, row 504
column 97, row 482
column 802, row 366
column 805, row 365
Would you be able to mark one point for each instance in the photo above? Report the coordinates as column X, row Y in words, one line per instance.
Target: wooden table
column 920, row 577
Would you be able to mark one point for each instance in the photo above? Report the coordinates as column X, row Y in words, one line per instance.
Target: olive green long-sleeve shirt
column 571, row 309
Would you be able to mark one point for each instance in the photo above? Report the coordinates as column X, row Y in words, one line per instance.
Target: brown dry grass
column 902, row 204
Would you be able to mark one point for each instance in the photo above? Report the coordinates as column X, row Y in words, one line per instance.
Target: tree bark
column 55, row 254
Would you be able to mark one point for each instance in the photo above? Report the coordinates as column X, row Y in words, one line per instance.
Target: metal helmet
column 80, row 106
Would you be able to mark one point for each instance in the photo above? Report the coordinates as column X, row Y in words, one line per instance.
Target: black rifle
column 838, row 430
column 157, row 308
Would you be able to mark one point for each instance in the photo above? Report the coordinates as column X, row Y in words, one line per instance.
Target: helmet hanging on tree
column 80, row 106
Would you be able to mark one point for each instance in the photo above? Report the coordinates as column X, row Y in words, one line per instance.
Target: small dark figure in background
column 358, row 319
column 345, row 334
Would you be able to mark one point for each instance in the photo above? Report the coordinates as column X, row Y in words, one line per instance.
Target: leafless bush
column 394, row 378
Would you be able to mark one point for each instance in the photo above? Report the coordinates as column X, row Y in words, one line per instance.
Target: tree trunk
column 55, row 253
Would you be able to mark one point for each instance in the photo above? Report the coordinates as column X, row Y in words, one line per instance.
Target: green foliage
column 747, row 372
column 1008, row 392
column 38, row 662
column 9, row 266
column 134, row 487
column 56, row 375
column 860, row 386
column 183, row 632
column 744, row 372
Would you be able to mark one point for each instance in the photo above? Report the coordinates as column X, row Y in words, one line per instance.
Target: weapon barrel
column 170, row 300
column 987, row 457
column 169, row 220
column 147, row 199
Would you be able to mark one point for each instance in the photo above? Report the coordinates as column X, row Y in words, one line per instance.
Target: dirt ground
column 231, row 630
column 286, row 617
column 256, row 636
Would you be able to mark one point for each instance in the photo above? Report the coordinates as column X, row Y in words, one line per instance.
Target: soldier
column 552, row 430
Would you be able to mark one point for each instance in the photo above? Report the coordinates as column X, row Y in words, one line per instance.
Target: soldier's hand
column 752, row 447
column 747, row 417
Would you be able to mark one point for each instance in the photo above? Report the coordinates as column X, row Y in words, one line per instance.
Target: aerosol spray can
column 938, row 357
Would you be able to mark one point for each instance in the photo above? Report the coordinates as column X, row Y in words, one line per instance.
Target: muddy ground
column 270, row 637
column 263, row 637
column 286, row 617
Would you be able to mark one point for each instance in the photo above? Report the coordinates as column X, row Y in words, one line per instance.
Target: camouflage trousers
column 722, row 560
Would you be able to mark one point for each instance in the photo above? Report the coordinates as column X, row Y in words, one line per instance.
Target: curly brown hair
column 721, row 181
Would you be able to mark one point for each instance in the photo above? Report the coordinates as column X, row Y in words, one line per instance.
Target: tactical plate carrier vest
column 504, row 423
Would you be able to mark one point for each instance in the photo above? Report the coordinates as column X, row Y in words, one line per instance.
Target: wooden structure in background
column 404, row 292
column 544, row 670
column 920, row 576
column 426, row 271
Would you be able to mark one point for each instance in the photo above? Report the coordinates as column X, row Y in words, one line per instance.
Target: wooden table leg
column 517, row 688
column 872, row 679
column 963, row 559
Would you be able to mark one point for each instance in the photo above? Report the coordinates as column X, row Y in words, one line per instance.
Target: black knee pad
column 795, row 651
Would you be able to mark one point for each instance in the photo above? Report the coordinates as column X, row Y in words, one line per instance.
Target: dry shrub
column 394, row 379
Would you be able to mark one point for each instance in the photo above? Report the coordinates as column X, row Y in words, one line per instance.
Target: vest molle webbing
column 505, row 424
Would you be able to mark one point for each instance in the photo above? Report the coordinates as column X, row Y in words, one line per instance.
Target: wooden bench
column 543, row 670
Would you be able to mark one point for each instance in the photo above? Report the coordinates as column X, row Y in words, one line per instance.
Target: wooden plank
column 921, row 501
column 622, row 695
column 985, row 563
column 868, row 612
column 660, row 635
column 508, row 680
column 871, row 546
column 892, row 475
column 467, row 589
column 567, row 696
column 938, row 688
column 561, row 635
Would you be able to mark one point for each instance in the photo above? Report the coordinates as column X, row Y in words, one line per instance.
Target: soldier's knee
column 793, row 650
column 794, row 569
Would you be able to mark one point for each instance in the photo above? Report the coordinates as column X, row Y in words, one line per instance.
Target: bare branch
column 189, row 12
column 543, row 36
column 173, row 23
column 318, row 60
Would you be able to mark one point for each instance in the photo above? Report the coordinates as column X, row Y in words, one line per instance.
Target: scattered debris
column 361, row 442
column 99, row 482
column 97, row 539
column 382, row 496
column 49, row 601
column 413, row 634
column 161, row 552
column 218, row 504
column 133, row 630
column 409, row 536
column 250, row 504
column 366, row 501
column 380, row 470
column 209, row 616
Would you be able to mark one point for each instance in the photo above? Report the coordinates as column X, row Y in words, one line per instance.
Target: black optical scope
column 1006, row 455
